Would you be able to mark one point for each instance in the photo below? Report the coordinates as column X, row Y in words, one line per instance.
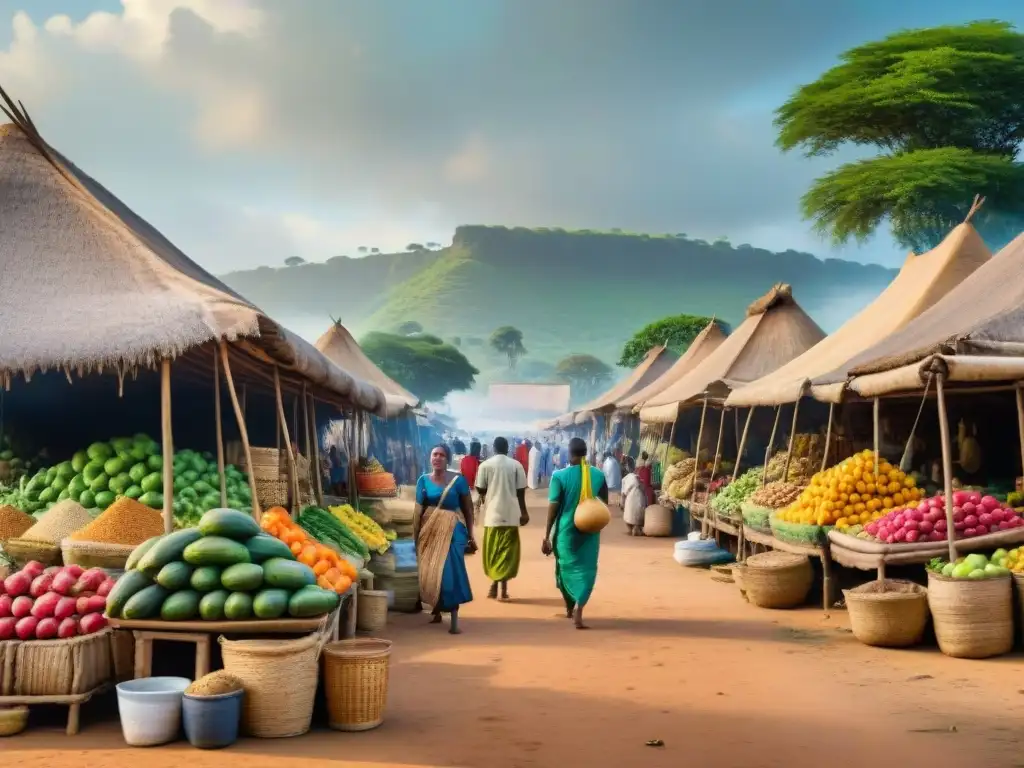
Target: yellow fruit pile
column 850, row 493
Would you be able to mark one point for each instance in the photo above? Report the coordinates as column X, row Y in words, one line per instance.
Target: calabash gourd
column 591, row 514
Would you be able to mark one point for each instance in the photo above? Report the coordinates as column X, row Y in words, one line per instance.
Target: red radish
column 959, row 497
column 63, row 582
column 40, row 585
column 970, row 521
column 105, row 587
column 44, row 606
column 90, row 580
column 7, row 625
column 97, row 604
column 925, row 526
column 959, row 516
column 82, row 605
column 74, row 570
column 900, row 535
column 969, row 531
column 25, row 629
column 94, row 622
column 21, row 607
column 17, row 584
column 46, row 629
column 911, row 525
column 985, row 519
column 969, row 508
column 67, row 628
column 911, row 536
column 5, row 606
column 65, row 607
column 936, row 536
column 32, row 569
column 917, row 515
column 1005, row 525
column 940, row 525
column 924, row 507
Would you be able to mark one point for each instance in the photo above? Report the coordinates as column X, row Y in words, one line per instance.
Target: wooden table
column 823, row 553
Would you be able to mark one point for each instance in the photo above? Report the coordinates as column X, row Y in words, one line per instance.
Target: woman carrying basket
column 444, row 536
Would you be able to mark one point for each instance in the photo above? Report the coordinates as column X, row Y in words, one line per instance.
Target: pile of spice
column 14, row 522
column 63, row 519
column 214, row 684
column 126, row 521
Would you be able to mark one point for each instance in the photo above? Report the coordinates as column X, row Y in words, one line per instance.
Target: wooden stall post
column 167, row 439
column 316, row 451
column 828, row 435
column 671, row 436
column 792, row 440
column 1020, row 423
column 714, row 466
column 947, row 463
column 696, row 459
column 743, row 442
column 771, row 444
column 220, row 431
column 283, row 424
column 242, row 431
column 875, row 419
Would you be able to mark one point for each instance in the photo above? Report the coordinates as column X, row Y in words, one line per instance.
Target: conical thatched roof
column 922, row 281
column 657, row 360
column 86, row 283
column 342, row 349
column 775, row 331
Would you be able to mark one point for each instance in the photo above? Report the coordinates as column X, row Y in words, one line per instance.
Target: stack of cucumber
column 223, row 569
column 329, row 530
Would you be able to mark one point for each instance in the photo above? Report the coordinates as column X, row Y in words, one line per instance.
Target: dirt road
column 672, row 656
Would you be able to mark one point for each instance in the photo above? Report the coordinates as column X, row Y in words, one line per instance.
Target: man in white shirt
column 501, row 483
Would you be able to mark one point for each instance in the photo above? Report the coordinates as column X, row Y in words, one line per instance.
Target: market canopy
column 86, row 283
column 921, row 282
column 338, row 345
column 775, row 331
column 706, row 342
column 655, row 363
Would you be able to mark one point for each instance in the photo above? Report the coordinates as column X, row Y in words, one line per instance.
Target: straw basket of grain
column 280, row 678
column 63, row 667
column 777, row 579
column 356, row 683
column 657, row 521
column 372, row 611
column 973, row 617
column 22, row 551
column 95, row 554
column 889, row 613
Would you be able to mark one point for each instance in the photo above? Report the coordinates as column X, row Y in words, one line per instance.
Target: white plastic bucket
column 693, row 536
column 150, row 709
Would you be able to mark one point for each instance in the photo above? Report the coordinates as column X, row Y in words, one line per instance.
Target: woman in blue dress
column 444, row 536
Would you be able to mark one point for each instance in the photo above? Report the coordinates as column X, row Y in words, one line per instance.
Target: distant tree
column 409, row 327
column 676, row 332
column 415, row 247
column 943, row 108
column 362, row 249
column 584, row 373
column 294, row 261
column 508, row 341
column 375, row 250
column 424, row 365
column 432, row 246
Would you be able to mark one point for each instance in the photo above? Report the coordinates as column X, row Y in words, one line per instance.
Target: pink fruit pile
column 38, row 603
column 973, row 515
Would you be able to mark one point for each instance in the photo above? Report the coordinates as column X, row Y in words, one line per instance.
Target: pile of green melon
column 133, row 467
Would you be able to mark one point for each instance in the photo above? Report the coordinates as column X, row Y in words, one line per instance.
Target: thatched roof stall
column 655, row 363
column 775, row 331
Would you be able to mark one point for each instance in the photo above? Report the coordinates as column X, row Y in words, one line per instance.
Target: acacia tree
column 676, row 332
column 425, row 365
column 508, row 341
column 584, row 373
column 944, row 108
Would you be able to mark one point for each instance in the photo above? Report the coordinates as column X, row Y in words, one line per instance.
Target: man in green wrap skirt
column 575, row 552
column 501, row 483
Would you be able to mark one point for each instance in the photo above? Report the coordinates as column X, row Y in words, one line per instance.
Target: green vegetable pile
column 735, row 493
column 329, row 530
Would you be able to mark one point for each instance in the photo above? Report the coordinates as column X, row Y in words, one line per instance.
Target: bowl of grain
column 212, row 710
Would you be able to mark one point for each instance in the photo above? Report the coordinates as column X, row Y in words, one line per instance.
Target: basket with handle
column 356, row 683
column 280, row 679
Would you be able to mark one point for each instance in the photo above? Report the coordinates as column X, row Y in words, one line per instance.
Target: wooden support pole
column 283, row 424
column 316, row 451
column 696, row 460
column 671, row 436
column 876, row 409
column 167, row 439
column 792, row 442
column 220, row 431
column 306, row 438
column 771, row 444
column 947, row 464
column 718, row 448
column 242, row 431
column 743, row 442
column 1020, row 424
column 828, row 435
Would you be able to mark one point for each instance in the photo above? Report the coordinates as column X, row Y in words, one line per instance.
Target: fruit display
column 38, row 603
column 330, row 530
column 13, row 522
column 225, row 568
column 735, row 493
column 373, row 480
column 363, row 526
column 331, row 570
column 852, row 490
column 126, row 521
column 973, row 515
column 807, row 455
column 677, row 481
column 972, row 566
column 1012, row 559
column 776, row 495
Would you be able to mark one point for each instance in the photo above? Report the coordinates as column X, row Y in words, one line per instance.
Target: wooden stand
column 73, row 702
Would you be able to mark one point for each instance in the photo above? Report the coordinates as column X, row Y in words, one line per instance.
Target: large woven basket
column 95, row 554
column 63, row 667
column 22, row 551
column 658, row 521
column 738, row 572
column 272, row 493
column 777, row 579
column 267, row 463
column 973, row 617
column 13, row 720
column 8, row 653
column 890, row 613
column 280, row 679
column 372, row 611
column 356, row 683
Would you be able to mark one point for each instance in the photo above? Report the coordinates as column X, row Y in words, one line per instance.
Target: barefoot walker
column 575, row 552
column 501, row 483
column 444, row 535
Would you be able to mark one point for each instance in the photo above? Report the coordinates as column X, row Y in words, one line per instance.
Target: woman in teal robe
column 576, row 553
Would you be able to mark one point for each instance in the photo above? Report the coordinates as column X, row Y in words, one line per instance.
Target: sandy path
column 672, row 656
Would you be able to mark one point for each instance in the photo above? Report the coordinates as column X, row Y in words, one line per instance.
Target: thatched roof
column 775, row 331
column 657, row 360
column 88, row 284
column 338, row 345
column 706, row 342
column 921, row 282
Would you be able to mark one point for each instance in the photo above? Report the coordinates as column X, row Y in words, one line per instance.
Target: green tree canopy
column 584, row 373
column 508, row 341
column 423, row 364
column 945, row 108
column 676, row 332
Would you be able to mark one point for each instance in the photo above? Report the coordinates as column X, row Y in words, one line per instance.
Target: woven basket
column 658, row 521
column 8, row 652
column 22, row 551
column 890, row 613
column 266, row 463
column 95, row 554
column 365, row 580
column 272, row 493
column 13, row 720
column 280, row 679
column 973, row 618
column 356, row 683
column 372, row 611
column 63, row 667
column 738, row 573
column 777, row 579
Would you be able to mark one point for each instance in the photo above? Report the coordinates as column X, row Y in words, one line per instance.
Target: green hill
column 568, row 291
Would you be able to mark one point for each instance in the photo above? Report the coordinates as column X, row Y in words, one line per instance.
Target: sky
column 250, row 131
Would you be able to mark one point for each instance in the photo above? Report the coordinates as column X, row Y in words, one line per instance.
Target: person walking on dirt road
column 501, row 483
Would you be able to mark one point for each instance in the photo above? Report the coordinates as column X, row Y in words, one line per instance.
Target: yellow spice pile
column 14, row 522
column 63, row 519
column 126, row 521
